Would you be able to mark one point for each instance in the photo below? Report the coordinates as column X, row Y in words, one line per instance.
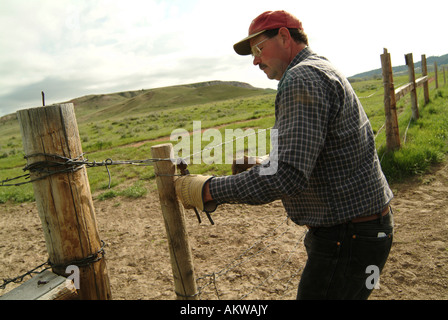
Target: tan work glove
column 189, row 189
column 242, row 164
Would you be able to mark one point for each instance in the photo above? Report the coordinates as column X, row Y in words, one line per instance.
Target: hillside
column 403, row 69
column 109, row 121
column 120, row 104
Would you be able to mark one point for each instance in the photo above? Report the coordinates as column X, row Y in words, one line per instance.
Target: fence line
column 392, row 95
column 43, row 169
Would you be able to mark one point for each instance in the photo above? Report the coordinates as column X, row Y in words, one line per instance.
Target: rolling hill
column 117, row 105
column 403, row 69
column 120, row 104
column 121, row 118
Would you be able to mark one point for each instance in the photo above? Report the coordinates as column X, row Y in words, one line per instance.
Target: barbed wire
column 21, row 277
column 55, row 164
column 61, row 164
column 92, row 258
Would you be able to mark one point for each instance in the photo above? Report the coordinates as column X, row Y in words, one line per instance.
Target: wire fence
column 57, row 164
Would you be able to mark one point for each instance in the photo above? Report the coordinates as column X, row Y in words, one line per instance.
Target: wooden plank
column 403, row 90
column 43, row 286
column 421, row 81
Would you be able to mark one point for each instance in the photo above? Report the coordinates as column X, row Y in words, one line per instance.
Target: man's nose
column 256, row 61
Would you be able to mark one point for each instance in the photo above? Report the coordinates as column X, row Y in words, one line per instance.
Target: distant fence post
column 173, row 215
column 390, row 108
column 424, row 74
column 411, row 72
column 436, row 75
column 444, row 77
column 63, row 199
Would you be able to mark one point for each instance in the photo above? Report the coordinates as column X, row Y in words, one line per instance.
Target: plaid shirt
column 328, row 169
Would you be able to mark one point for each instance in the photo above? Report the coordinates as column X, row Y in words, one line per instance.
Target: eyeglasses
column 256, row 52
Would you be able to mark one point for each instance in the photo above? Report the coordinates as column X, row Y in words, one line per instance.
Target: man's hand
column 242, row 164
column 190, row 189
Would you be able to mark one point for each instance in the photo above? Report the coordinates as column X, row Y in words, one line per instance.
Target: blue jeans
column 339, row 259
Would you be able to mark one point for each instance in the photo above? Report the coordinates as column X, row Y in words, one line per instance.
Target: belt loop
column 381, row 214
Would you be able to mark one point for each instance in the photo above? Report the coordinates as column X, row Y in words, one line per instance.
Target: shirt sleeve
column 302, row 113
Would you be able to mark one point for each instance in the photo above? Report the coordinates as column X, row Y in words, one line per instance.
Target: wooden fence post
column 390, row 108
column 64, row 200
column 436, row 75
column 444, row 77
column 426, row 84
column 173, row 215
column 411, row 72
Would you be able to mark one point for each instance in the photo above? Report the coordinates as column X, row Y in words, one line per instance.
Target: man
column 327, row 175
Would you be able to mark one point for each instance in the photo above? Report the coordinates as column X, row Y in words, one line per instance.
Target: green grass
column 137, row 190
column 109, row 124
column 107, row 130
column 426, row 140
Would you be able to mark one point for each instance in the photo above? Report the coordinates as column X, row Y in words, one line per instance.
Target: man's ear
column 285, row 36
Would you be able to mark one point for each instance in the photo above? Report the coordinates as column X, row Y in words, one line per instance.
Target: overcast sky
column 72, row 48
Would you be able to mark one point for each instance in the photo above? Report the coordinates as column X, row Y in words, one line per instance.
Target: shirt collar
column 301, row 56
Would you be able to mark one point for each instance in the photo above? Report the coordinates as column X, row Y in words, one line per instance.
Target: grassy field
column 111, row 126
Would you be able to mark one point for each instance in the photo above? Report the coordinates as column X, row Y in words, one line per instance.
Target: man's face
column 271, row 58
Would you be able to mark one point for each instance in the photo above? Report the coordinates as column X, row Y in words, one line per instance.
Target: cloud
column 69, row 49
column 87, row 75
column 72, row 48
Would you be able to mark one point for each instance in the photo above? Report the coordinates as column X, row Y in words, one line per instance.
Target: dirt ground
column 250, row 253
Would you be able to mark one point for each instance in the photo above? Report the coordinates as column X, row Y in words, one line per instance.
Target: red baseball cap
column 266, row 21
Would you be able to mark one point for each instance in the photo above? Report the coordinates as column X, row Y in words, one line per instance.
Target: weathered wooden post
column 390, row 105
column 63, row 199
column 411, row 72
column 424, row 74
column 173, row 215
column 444, row 77
column 436, row 75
